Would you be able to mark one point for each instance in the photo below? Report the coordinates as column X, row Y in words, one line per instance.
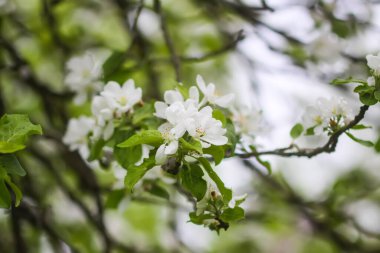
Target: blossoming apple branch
column 178, row 137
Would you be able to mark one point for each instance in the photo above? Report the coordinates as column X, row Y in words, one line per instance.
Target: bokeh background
column 277, row 56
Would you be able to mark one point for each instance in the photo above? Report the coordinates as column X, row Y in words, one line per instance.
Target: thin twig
column 329, row 147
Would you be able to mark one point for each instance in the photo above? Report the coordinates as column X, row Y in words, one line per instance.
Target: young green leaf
column 154, row 188
column 200, row 218
column 219, row 115
column 360, row 127
column 114, row 197
column 192, row 180
column 339, row 81
column 142, row 113
column 226, row 192
column 151, row 137
column 296, row 131
column 10, row 164
column 232, row 214
column 14, row 132
column 217, row 152
column 377, row 145
column 16, row 191
column 114, row 61
column 367, row 98
column 135, row 173
column 5, row 197
column 96, row 149
column 126, row 156
column 192, row 145
column 362, row 142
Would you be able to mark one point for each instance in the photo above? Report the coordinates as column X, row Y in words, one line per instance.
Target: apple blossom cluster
column 177, row 137
column 190, row 117
column 327, row 116
column 110, row 105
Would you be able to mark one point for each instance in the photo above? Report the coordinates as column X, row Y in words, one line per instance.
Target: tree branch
column 329, row 147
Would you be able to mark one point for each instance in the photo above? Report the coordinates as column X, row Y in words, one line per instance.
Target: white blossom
column 76, row 136
column 210, row 95
column 83, row 77
column 373, row 61
column 247, row 122
column 170, row 145
column 207, row 129
column 327, row 112
column 121, row 99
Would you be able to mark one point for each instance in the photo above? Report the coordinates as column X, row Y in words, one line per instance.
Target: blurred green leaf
column 296, row 131
column 14, row 132
column 10, row 164
column 232, row 214
column 362, row 142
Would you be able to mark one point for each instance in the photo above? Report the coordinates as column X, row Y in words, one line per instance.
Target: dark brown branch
column 329, row 147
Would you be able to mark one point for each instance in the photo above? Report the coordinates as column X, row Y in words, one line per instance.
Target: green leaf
column 5, row 197
column 126, row 156
column 340, row 27
column 199, row 219
column 142, row 113
column 96, row 149
column 232, row 138
column 266, row 164
column 135, row 173
column 226, row 193
column 192, row 180
column 364, row 89
column 154, row 188
column 151, row 137
column 362, row 142
column 232, row 214
column 296, row 131
column 367, row 98
column 360, row 127
column 192, row 145
column 309, row 131
column 377, row 145
column 240, row 200
column 113, row 62
column 376, row 94
column 10, row 164
column 339, row 81
column 217, row 153
column 14, row 132
column 114, row 198
column 16, row 191
column 219, row 115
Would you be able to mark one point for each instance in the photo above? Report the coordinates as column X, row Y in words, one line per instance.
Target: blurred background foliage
column 257, row 49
